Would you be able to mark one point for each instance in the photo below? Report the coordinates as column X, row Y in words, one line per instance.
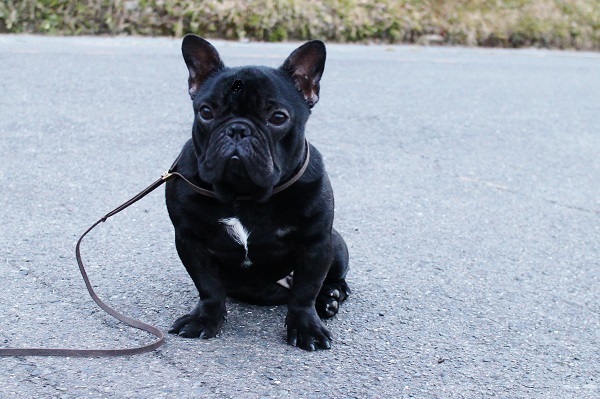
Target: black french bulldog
column 261, row 229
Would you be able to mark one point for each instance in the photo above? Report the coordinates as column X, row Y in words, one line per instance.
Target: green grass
column 500, row 23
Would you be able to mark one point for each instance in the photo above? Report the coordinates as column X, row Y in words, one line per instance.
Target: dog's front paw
column 197, row 326
column 306, row 331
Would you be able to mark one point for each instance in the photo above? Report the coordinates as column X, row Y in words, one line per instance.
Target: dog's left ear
column 202, row 60
column 305, row 65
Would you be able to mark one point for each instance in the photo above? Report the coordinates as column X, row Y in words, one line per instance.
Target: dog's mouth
column 235, row 173
column 238, row 182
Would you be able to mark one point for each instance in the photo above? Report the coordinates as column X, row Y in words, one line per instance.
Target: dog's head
column 249, row 121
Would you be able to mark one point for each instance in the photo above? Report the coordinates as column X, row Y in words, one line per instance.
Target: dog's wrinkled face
column 249, row 122
column 246, row 129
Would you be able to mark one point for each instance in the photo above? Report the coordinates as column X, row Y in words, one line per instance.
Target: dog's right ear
column 201, row 58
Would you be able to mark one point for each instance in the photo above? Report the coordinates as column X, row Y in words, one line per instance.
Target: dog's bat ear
column 305, row 66
column 201, row 58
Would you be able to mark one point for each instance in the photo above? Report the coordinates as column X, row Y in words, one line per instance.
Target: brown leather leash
column 125, row 319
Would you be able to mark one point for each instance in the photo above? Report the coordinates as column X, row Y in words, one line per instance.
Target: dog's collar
column 209, row 193
column 298, row 175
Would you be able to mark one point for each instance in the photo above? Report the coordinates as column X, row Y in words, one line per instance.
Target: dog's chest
column 247, row 242
column 240, row 236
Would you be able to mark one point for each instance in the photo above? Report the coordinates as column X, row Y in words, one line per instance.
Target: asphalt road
column 467, row 186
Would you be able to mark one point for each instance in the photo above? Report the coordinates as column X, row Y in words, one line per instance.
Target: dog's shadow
column 247, row 321
column 243, row 320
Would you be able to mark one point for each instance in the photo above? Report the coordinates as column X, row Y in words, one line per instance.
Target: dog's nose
column 239, row 130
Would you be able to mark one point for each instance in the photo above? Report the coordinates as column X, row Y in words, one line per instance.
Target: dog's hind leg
column 335, row 289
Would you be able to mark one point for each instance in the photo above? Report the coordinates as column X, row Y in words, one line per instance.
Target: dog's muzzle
column 238, row 131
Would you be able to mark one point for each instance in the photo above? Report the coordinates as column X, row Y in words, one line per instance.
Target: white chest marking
column 239, row 234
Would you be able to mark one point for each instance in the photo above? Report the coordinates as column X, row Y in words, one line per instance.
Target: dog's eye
column 206, row 113
column 278, row 118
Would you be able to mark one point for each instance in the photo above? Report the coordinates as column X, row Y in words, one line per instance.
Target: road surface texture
column 467, row 186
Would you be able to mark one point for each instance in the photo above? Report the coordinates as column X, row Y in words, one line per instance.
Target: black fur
column 248, row 137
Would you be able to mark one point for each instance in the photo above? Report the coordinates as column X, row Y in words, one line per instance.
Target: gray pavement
column 467, row 186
